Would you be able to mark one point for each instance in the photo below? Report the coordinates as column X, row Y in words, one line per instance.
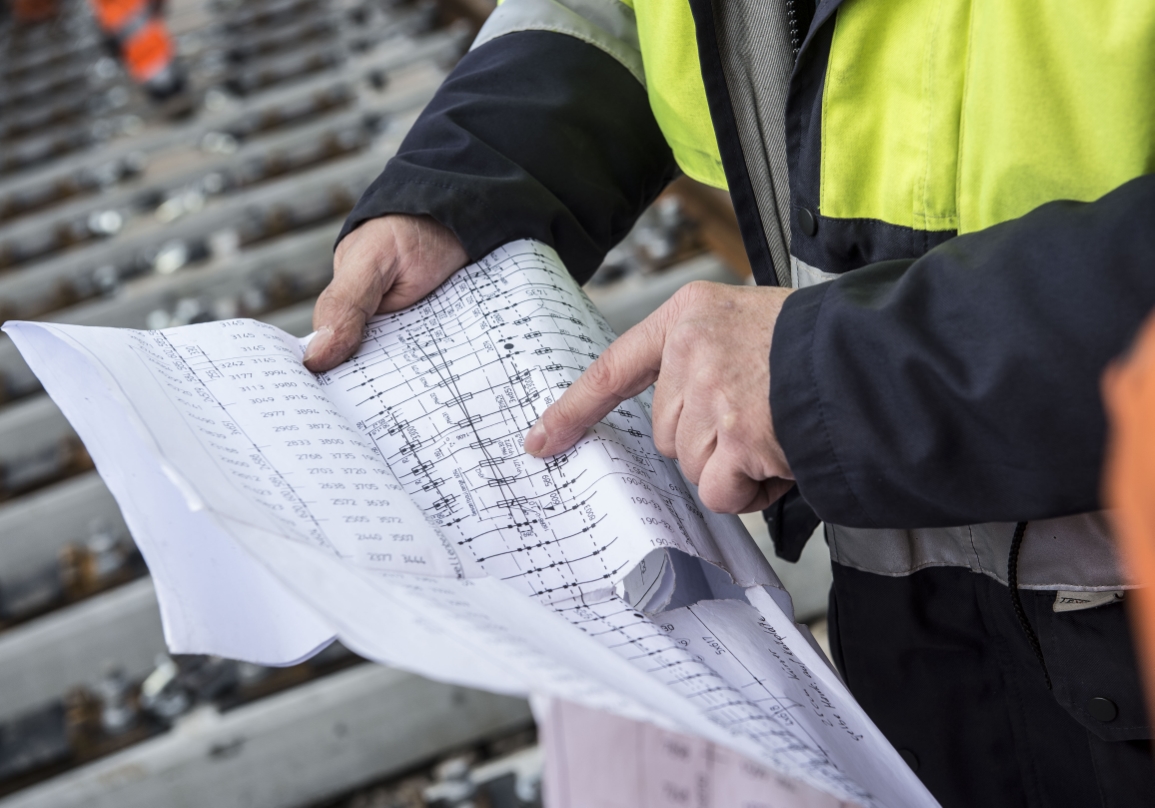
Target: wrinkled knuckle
column 558, row 414
column 730, row 426
column 603, row 375
column 355, row 250
column 340, row 299
column 565, row 415
column 696, row 292
column 325, row 299
column 328, row 303
column 685, row 294
column 681, row 340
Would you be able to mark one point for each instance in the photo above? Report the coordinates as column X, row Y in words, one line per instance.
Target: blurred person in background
column 135, row 32
column 961, row 195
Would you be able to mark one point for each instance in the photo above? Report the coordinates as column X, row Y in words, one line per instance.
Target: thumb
column 362, row 273
column 384, row 265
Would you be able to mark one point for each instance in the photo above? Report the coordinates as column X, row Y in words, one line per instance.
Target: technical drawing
column 391, row 502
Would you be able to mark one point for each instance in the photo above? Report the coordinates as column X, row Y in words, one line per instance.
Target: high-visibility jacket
column 962, row 190
column 867, row 133
column 938, row 117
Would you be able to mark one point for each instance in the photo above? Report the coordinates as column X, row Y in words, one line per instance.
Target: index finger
column 627, row 367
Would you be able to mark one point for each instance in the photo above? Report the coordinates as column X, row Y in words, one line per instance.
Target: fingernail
column 535, row 439
column 317, row 343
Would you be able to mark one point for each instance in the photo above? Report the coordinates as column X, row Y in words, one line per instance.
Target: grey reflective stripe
column 605, row 24
column 1074, row 553
column 803, row 275
column 757, row 58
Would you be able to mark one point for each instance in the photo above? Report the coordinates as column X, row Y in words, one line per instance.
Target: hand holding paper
column 278, row 509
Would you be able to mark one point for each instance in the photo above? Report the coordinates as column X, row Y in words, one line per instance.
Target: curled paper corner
column 191, row 497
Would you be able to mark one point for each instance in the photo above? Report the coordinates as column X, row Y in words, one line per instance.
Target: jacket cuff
column 534, row 135
column 441, row 195
column 796, row 407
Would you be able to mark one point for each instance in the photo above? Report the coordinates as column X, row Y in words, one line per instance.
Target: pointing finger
column 624, row 369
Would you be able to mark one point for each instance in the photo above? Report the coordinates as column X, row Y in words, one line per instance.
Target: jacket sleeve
column 543, row 130
column 964, row 387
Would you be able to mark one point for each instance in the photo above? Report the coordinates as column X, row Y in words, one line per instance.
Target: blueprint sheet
column 388, row 503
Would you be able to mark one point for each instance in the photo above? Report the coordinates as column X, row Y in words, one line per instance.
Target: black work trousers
column 940, row 661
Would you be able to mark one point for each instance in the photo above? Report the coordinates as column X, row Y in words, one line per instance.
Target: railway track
column 223, row 203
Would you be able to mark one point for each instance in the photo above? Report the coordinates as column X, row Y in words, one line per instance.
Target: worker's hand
column 386, row 264
column 708, row 349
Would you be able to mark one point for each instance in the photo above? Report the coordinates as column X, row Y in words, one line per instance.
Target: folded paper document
column 388, row 503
